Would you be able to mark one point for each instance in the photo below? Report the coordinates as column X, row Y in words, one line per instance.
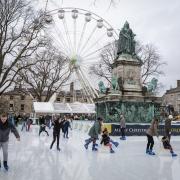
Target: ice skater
column 94, row 132
column 167, row 126
column 167, row 145
column 5, row 128
column 151, row 131
column 42, row 125
column 66, row 126
column 123, row 127
column 107, row 141
column 56, row 132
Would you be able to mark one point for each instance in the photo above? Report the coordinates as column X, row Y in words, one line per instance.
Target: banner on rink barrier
column 140, row 129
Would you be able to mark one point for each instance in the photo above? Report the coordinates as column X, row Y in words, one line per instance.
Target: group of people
column 58, row 123
column 94, row 132
column 97, row 128
column 153, row 131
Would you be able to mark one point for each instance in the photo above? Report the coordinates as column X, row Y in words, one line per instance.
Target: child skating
column 167, row 145
column 107, row 141
column 151, row 131
column 94, row 132
column 5, row 128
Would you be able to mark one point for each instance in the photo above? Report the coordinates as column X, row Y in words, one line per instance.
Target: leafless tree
column 20, row 27
column 151, row 61
column 149, row 55
column 103, row 68
column 48, row 74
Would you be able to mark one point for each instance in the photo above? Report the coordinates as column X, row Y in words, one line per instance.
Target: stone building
column 172, row 97
column 20, row 101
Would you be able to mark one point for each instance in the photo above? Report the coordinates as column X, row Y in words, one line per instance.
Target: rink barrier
column 131, row 129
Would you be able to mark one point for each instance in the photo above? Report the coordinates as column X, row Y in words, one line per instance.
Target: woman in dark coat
column 56, row 132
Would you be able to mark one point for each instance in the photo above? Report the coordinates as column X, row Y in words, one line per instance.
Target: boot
column 6, row 167
column 147, row 151
column 94, row 147
column 151, row 152
column 86, row 145
column 173, row 154
column 58, row 149
column 123, row 138
column 112, row 151
column 115, row 143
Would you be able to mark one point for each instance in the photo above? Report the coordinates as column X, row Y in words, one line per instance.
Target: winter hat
column 170, row 117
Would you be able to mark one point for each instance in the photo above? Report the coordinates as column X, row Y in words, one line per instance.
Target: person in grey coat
column 5, row 128
column 123, row 127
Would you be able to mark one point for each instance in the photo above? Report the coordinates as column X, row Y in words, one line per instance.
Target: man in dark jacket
column 56, row 132
column 42, row 125
column 66, row 126
column 5, row 128
column 167, row 126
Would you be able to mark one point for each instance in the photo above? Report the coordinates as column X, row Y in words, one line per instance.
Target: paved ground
column 31, row 159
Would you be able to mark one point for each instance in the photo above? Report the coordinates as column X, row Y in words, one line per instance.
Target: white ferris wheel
column 80, row 35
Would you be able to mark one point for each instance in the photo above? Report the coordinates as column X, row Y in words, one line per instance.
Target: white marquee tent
column 55, row 108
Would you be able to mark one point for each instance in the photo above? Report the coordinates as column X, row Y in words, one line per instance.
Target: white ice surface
column 31, row 159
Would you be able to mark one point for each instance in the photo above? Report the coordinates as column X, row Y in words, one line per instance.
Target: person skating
column 5, row 128
column 56, row 132
column 42, row 125
column 151, row 131
column 123, row 127
column 106, row 140
column 66, row 126
column 167, row 145
column 167, row 126
column 94, row 131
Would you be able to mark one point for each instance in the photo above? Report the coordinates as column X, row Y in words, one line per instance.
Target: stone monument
column 127, row 94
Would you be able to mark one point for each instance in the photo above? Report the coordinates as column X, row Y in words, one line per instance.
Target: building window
column 85, row 100
column 11, row 107
column 11, row 98
column 68, row 99
column 22, row 97
column 22, row 107
column 178, row 97
column 58, row 99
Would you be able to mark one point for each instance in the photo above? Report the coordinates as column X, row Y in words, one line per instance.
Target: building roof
column 173, row 90
column 76, row 107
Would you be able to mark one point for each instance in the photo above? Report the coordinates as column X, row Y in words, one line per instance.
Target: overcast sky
column 153, row 21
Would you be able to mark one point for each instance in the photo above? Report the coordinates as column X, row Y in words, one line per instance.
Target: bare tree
column 19, row 37
column 149, row 55
column 103, row 68
column 151, row 61
column 48, row 74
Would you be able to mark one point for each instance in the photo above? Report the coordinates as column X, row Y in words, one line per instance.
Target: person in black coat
column 66, row 126
column 56, row 132
column 42, row 125
column 5, row 129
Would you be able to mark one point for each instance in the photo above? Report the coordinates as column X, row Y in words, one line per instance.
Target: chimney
column 72, row 88
column 178, row 83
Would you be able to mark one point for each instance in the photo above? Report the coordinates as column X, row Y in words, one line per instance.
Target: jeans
column 4, row 146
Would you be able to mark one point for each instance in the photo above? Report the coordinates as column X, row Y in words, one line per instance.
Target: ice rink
column 31, row 159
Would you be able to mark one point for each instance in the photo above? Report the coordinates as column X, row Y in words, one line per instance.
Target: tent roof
column 76, row 107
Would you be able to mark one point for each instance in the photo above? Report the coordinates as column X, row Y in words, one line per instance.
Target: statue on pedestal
column 126, row 42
